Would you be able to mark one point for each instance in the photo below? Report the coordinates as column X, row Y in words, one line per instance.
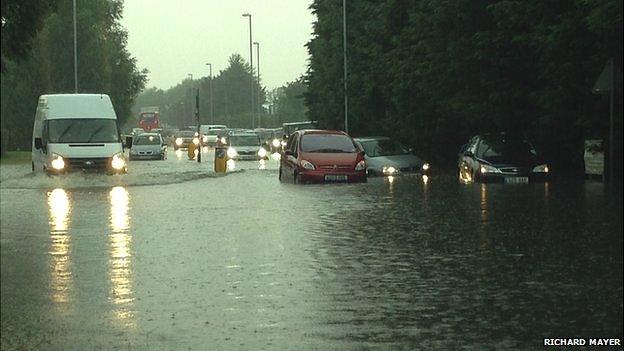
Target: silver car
column 388, row 157
column 148, row 146
column 245, row 146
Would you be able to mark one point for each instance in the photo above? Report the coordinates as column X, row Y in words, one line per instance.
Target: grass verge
column 15, row 157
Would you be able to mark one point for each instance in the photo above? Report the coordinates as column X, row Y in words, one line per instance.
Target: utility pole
column 344, row 54
column 75, row 51
column 199, row 136
column 210, row 87
column 259, row 86
column 251, row 71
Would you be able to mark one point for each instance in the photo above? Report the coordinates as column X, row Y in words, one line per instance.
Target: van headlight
column 276, row 142
column 118, row 162
column 58, row 163
column 541, row 169
column 204, row 139
column 262, row 152
column 231, row 152
column 196, row 140
column 425, row 166
column 223, row 140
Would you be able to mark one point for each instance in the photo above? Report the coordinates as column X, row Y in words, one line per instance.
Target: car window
column 147, row 140
column 293, row 143
column 384, row 147
column 505, row 148
column 327, row 143
column 244, row 140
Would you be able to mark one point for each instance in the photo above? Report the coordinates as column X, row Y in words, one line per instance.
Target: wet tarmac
column 175, row 257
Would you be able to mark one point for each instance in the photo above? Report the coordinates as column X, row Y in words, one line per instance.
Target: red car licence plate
column 335, row 178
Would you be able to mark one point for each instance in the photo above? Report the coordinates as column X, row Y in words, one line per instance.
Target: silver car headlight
column 58, row 162
column 389, row 170
column 262, row 152
column 118, row 162
column 541, row 169
column 204, row 139
column 425, row 166
column 231, row 152
column 178, row 141
column 276, row 142
column 489, row 169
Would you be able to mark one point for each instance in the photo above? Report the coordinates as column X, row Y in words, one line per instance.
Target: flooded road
column 172, row 256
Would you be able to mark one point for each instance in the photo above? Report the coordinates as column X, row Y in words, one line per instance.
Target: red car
column 316, row 156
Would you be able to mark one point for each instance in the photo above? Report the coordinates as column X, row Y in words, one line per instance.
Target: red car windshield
column 327, row 143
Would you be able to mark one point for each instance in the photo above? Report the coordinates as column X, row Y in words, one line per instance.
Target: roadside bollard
column 191, row 151
column 220, row 161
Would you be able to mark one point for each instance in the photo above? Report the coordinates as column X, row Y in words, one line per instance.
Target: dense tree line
column 432, row 72
column 231, row 100
column 40, row 61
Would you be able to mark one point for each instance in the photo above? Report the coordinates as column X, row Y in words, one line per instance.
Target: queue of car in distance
column 388, row 157
column 148, row 146
column 317, row 156
column 500, row 158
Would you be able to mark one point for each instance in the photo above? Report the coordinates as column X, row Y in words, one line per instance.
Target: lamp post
column 75, row 51
column 344, row 54
column 258, row 73
column 251, row 70
column 210, row 87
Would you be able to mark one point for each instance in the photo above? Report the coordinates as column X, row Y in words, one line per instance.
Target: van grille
column 99, row 163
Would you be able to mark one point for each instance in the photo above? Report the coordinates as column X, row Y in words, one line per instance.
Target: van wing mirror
column 129, row 142
column 38, row 143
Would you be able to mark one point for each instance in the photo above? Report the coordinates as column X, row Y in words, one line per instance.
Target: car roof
column 320, row 131
column 244, row 134
column 371, row 138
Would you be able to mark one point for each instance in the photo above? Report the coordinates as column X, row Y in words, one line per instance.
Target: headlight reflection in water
column 61, row 280
column 120, row 263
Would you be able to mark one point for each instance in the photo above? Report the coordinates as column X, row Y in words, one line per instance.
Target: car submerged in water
column 501, row 158
column 317, row 156
column 388, row 157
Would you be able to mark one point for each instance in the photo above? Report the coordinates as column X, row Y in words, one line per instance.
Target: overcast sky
column 174, row 38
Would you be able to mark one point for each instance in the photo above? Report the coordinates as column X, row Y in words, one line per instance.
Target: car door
column 289, row 157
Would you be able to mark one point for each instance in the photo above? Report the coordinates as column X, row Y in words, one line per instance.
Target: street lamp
column 259, row 86
column 75, row 52
column 251, row 70
column 210, row 87
column 344, row 55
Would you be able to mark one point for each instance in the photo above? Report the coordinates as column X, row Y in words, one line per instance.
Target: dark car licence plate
column 335, row 178
column 516, row 180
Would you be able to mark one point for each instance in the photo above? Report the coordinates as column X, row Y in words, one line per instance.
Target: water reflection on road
column 245, row 262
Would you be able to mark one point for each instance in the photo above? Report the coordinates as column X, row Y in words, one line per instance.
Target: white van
column 76, row 132
column 209, row 133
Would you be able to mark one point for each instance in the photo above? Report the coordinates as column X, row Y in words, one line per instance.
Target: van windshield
column 82, row 130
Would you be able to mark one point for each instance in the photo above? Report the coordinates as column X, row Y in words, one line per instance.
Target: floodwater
column 172, row 256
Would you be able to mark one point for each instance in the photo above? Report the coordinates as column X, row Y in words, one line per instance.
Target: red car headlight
column 360, row 166
column 307, row 165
